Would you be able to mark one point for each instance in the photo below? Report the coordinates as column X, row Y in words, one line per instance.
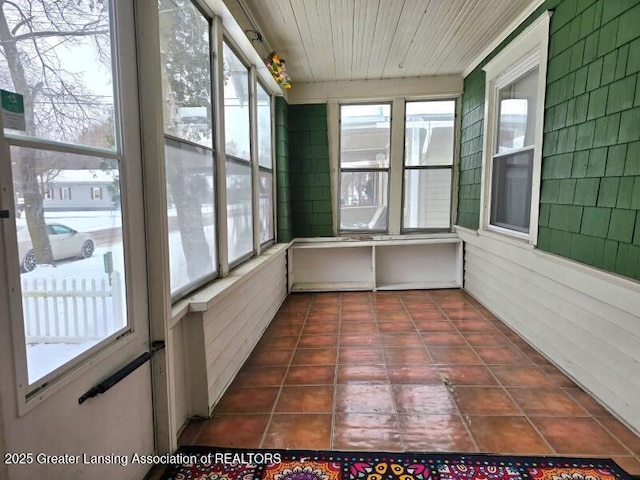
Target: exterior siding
column 310, row 182
column 590, row 192
column 285, row 219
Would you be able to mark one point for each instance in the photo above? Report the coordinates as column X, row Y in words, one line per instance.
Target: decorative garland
column 276, row 66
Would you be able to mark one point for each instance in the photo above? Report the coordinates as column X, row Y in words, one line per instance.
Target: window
column 365, row 141
column 265, row 165
column 96, row 193
column 48, row 193
column 512, row 158
column 65, row 193
column 238, row 150
column 428, row 163
column 189, row 156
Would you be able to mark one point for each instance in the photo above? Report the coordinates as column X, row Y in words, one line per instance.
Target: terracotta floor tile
column 190, row 434
column 631, row 465
column 502, row 356
column 464, row 314
column 388, row 307
column 321, row 329
column 284, row 330
column 266, row 358
column 557, row 376
column 521, row 376
column 503, row 434
column 426, row 315
column 359, row 328
column 239, row 431
column 546, row 401
column 303, row 431
column 383, row 317
column 428, row 399
column 357, row 317
column 483, row 326
column 323, row 318
column 356, row 307
column 316, row 399
column 453, row 304
column 577, row 435
column 454, row 356
column 361, row 356
column 435, row 433
column 356, row 297
column 407, row 356
column 275, row 342
column 310, row 375
column 477, row 375
column 444, row 339
column 435, row 326
column 318, row 341
column 371, row 374
column 362, row 431
column 622, row 433
column 353, row 398
column 327, row 297
column 484, row 401
column 538, row 358
column 247, row 400
column 414, row 374
column 315, row 356
column 323, row 308
column 590, row 404
column 396, row 327
column 385, row 297
column 482, row 339
column 417, row 307
column 251, row 376
column 288, row 319
column 360, row 340
column 411, row 339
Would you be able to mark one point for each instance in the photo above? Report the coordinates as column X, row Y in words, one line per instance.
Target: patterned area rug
column 209, row 463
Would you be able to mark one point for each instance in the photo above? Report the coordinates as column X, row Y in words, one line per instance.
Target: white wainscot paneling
column 226, row 322
column 584, row 320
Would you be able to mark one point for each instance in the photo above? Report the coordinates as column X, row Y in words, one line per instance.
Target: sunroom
column 327, row 225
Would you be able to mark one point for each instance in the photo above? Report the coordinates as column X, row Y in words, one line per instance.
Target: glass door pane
column 71, row 254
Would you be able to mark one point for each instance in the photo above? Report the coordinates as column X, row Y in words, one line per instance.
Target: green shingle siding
column 590, row 189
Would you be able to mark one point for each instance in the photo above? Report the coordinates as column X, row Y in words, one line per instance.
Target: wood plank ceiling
column 325, row 40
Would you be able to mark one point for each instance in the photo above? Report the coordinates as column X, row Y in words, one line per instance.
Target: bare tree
column 186, row 79
column 58, row 106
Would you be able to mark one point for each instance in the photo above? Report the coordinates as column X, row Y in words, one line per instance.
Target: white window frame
column 65, row 193
column 96, row 193
column 526, row 52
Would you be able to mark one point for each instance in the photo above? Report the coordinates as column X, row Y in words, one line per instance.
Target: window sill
column 515, row 241
column 212, row 293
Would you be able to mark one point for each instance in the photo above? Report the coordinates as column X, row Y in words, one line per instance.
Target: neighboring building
column 82, row 190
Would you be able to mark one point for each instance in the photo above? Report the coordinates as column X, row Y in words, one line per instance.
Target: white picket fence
column 71, row 310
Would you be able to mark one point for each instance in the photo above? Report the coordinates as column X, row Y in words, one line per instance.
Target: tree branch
column 53, row 33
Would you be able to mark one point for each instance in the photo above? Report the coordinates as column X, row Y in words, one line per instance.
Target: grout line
column 275, row 403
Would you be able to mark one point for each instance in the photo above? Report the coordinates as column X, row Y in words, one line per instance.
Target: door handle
column 4, row 213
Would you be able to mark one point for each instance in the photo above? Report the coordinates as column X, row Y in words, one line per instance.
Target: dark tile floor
column 428, row 371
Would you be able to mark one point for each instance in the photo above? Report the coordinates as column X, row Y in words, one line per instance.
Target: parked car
column 65, row 243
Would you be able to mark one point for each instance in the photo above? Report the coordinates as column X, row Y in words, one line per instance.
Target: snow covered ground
column 43, row 358
column 87, row 221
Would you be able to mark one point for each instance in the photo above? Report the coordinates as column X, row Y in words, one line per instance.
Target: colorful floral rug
column 209, row 463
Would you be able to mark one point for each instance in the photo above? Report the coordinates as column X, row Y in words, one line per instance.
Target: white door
column 75, row 323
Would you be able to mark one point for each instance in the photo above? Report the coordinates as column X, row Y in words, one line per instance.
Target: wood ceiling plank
column 387, row 23
column 410, row 18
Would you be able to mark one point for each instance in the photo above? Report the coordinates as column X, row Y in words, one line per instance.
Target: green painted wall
column 590, row 195
column 309, row 163
column 283, row 189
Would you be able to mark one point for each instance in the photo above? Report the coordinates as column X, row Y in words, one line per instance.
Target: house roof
column 85, row 176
